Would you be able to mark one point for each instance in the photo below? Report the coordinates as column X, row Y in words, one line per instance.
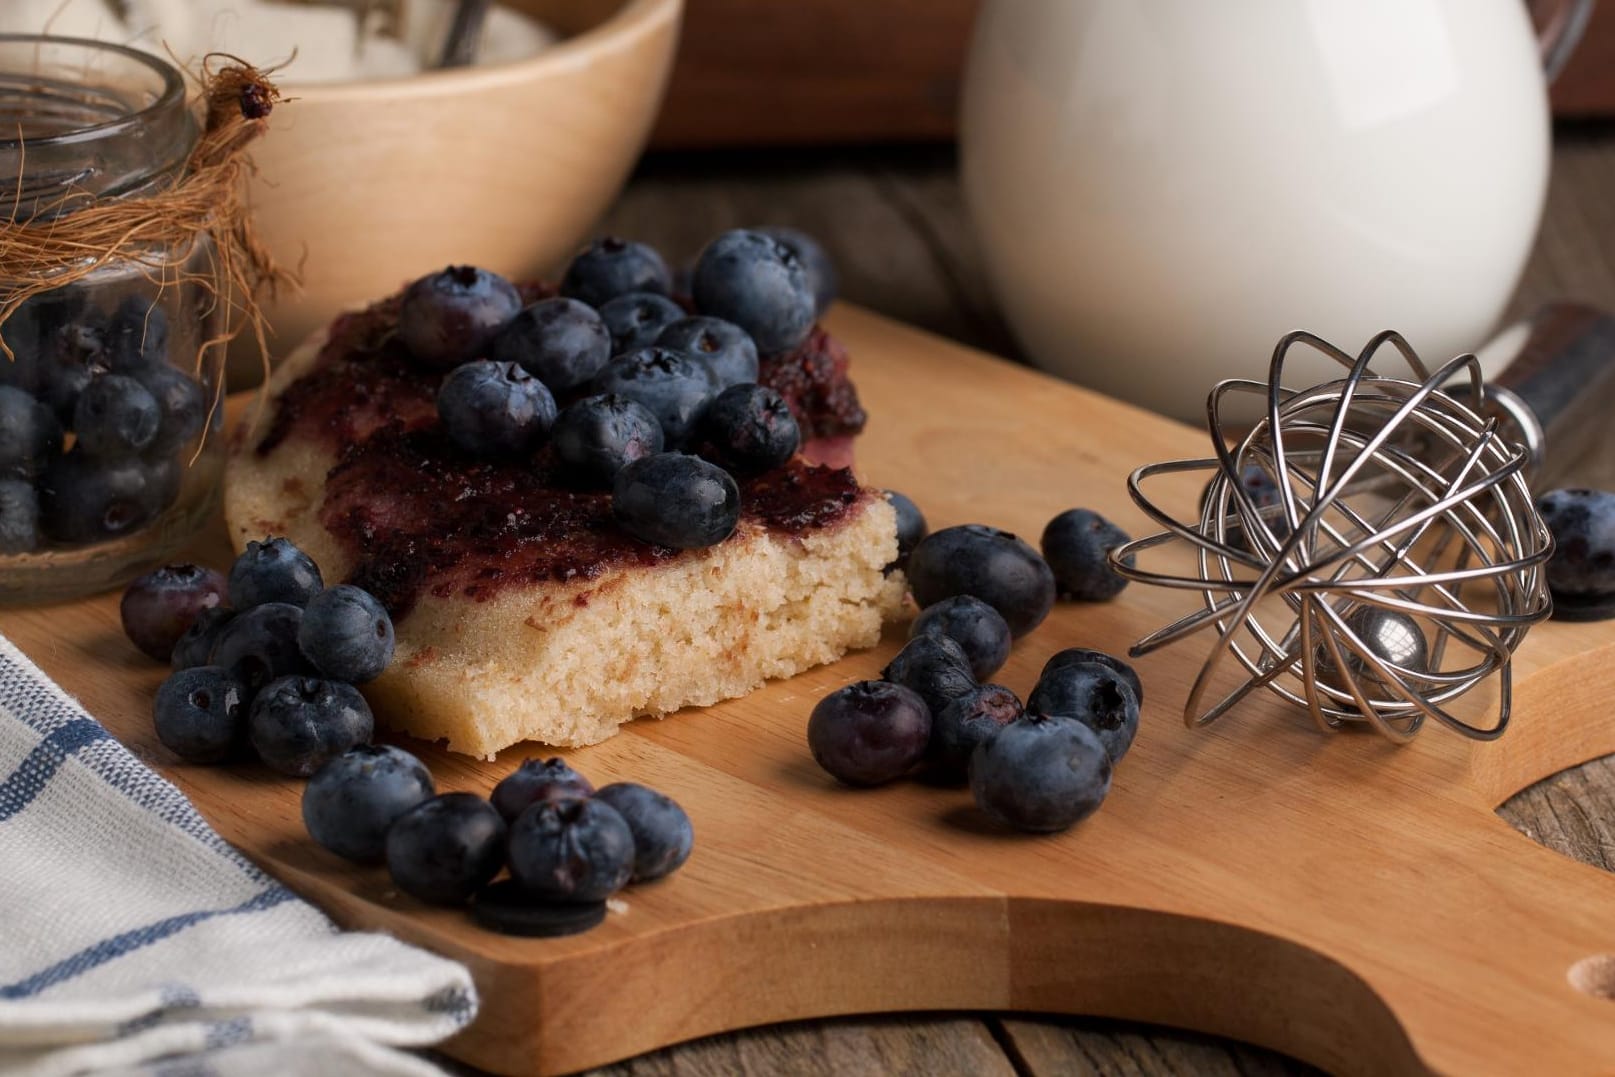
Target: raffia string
column 156, row 231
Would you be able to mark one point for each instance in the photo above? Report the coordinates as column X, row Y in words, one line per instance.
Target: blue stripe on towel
column 27, row 697
column 228, row 1033
column 135, row 939
column 123, row 772
column 41, row 764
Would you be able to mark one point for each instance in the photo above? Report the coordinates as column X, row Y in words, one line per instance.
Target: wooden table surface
column 894, row 221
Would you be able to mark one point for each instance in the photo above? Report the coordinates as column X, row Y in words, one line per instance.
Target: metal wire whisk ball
column 1369, row 550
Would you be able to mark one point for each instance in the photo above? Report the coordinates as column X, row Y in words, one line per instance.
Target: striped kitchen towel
column 135, row 939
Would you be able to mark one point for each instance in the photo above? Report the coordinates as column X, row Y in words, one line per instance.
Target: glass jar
column 111, row 422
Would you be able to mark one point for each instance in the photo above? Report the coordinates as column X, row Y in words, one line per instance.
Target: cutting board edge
column 1161, row 968
column 1535, row 747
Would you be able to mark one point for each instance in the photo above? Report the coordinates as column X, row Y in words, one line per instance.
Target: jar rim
column 173, row 92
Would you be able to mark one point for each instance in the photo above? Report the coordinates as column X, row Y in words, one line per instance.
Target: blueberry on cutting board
column 663, row 836
column 273, row 570
column 535, row 782
column 1581, row 572
column 571, row 850
column 445, row 849
column 1040, row 774
column 869, row 733
column 297, row 724
column 351, row 802
column 995, row 566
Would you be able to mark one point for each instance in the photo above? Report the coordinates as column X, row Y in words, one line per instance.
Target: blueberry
column 273, row 570
column 934, row 667
column 725, row 348
column 196, row 644
column 445, row 849
column 1259, row 486
column 346, row 634
column 535, row 781
column 869, row 733
column 115, row 415
column 596, row 437
column 260, row 644
column 1074, row 544
column 82, row 499
column 136, row 335
column 976, row 627
column 571, row 850
column 674, row 500
column 201, row 714
column 181, row 406
column 495, row 409
column 351, row 801
column 675, row 388
column 911, row 526
column 993, row 565
column 30, row 436
column 1095, row 695
column 1264, row 496
column 635, row 320
column 451, row 317
column 758, row 284
column 1040, row 773
column 76, row 356
column 1076, row 656
column 298, row 724
column 164, row 477
column 821, row 272
column 662, row 833
column 160, row 606
column 610, row 267
column 561, row 342
column 749, row 429
column 1583, row 526
column 19, row 516
column 969, row 720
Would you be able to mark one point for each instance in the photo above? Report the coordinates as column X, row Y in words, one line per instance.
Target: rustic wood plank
column 1574, row 256
column 856, row 1048
column 1044, row 1047
column 758, row 72
column 1572, row 812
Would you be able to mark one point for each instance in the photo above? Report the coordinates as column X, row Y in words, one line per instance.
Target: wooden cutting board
column 1352, row 903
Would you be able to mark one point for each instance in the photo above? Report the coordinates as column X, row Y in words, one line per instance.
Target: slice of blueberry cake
column 583, row 504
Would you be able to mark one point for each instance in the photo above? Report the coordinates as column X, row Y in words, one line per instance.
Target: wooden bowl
column 368, row 185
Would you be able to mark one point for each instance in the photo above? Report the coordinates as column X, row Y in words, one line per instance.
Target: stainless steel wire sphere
column 1369, row 550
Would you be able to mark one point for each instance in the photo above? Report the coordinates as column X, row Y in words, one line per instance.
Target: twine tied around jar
column 72, row 236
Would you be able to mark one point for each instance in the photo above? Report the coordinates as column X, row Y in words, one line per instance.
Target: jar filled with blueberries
column 110, row 426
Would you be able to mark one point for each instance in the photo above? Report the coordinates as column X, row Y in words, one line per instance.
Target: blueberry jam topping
column 420, row 515
column 813, row 380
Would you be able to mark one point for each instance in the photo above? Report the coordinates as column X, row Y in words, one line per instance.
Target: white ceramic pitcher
column 1163, row 188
